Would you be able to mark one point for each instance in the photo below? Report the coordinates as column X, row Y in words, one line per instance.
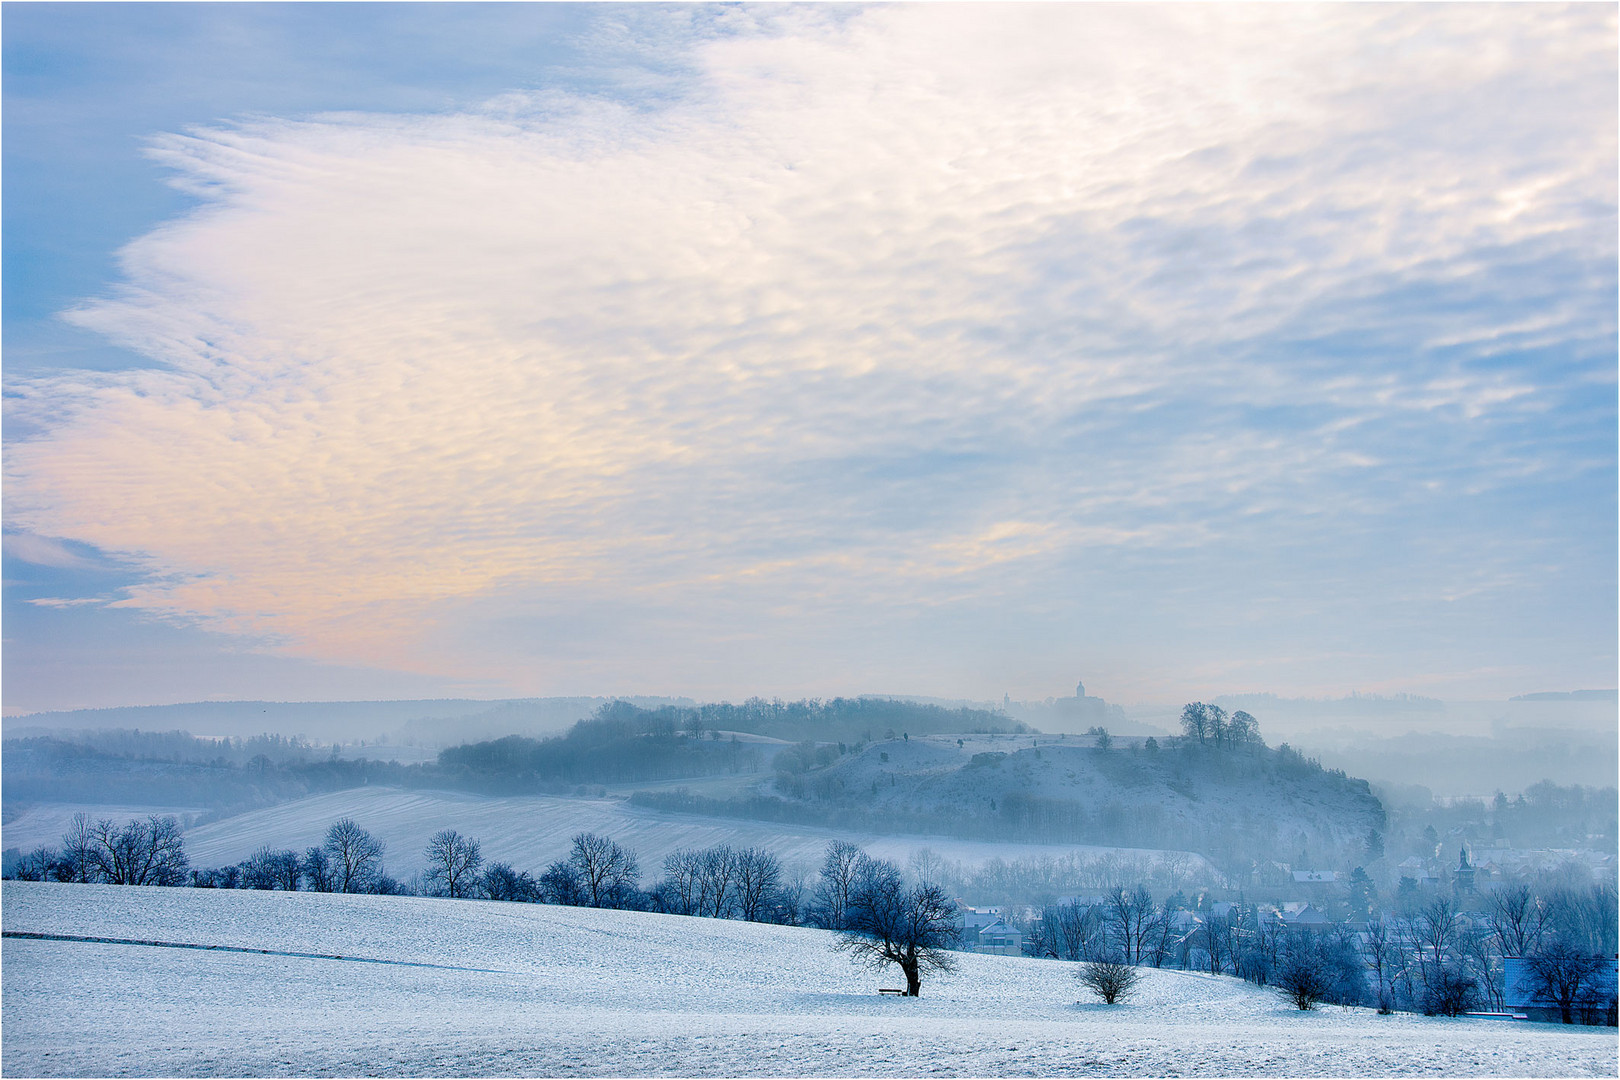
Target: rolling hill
column 303, row 984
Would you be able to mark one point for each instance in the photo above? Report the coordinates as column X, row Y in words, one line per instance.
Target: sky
column 388, row 351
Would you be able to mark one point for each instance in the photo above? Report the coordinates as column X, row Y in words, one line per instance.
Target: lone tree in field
column 453, row 862
column 1110, row 980
column 887, row 923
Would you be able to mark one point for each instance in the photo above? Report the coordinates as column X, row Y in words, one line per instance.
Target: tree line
column 881, row 919
column 1431, row 957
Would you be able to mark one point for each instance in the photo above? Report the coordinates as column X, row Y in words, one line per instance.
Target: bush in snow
column 1302, row 975
column 1110, row 980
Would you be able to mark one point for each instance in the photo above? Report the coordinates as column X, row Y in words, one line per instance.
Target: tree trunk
column 913, row 979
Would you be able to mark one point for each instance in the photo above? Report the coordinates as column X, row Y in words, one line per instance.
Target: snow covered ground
column 43, row 824
column 443, row 987
column 532, row 831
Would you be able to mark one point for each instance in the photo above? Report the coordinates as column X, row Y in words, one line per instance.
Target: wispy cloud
column 859, row 308
column 46, row 551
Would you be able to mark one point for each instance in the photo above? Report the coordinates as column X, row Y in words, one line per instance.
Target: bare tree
column 608, row 874
column 717, row 869
column 453, row 862
column 355, row 856
column 927, row 867
column 1110, row 980
column 1195, row 721
column 839, row 870
column 36, row 865
column 1481, row 963
column 77, row 846
column 759, row 875
column 1072, row 931
column 1561, row 973
column 287, row 869
column 1302, row 976
column 316, row 870
column 560, row 884
column 1517, row 919
column 1585, row 917
column 1218, row 934
column 259, row 870
column 677, row 894
column 789, row 905
column 1243, row 729
column 888, row 923
column 1433, row 932
column 501, row 882
column 1130, row 917
column 146, row 852
column 1161, row 939
column 1381, row 947
column 1451, row 992
column 1261, row 951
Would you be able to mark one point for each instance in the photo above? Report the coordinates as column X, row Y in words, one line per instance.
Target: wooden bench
column 886, row 990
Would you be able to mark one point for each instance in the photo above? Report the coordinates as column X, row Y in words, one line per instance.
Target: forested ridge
column 620, row 743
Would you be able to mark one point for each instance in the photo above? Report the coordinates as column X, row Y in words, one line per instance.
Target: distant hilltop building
column 1072, row 714
column 1082, row 709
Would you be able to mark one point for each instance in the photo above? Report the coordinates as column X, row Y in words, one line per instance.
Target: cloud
column 46, row 551
column 851, row 305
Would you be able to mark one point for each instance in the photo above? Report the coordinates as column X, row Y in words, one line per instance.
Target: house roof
column 1316, row 875
column 978, row 920
column 1305, row 916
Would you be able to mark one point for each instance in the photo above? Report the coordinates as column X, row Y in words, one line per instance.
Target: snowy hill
column 1248, row 801
column 526, row 831
column 405, row 986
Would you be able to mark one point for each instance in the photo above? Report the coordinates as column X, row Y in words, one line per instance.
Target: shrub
column 1109, row 979
column 1451, row 993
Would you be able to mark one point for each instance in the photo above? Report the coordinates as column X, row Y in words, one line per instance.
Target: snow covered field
column 442, row 987
column 43, row 824
column 532, row 831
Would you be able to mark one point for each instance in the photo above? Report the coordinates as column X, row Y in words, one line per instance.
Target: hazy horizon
column 390, row 352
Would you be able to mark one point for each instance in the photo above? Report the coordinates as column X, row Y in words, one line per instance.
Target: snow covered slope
column 531, row 831
column 442, row 987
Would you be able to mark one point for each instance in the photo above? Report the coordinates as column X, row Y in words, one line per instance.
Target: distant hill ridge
column 437, row 720
column 1241, row 805
column 1571, row 695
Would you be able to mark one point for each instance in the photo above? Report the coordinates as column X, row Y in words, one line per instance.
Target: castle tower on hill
column 1079, row 689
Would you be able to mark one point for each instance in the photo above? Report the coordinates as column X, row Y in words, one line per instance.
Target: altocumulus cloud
column 895, row 309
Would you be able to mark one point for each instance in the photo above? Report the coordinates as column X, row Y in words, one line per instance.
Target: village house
column 984, row 931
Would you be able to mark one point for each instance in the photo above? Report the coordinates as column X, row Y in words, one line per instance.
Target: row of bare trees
column 1433, row 959
column 348, row 860
column 140, row 852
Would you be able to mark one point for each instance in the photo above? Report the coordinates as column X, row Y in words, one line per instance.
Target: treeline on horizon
column 619, row 743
